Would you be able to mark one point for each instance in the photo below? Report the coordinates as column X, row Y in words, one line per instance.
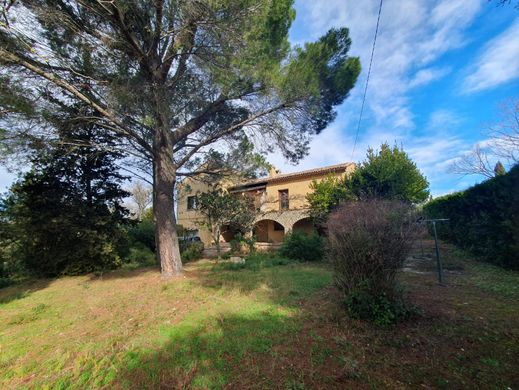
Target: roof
column 291, row 176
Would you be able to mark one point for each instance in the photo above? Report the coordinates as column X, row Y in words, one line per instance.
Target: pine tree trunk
column 168, row 251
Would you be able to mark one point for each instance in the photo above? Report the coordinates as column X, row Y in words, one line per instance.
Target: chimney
column 273, row 171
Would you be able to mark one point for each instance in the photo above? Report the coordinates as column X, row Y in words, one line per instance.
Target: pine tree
column 173, row 79
column 65, row 215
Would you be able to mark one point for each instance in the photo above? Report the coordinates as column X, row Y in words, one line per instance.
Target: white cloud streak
column 498, row 62
column 413, row 34
column 427, row 75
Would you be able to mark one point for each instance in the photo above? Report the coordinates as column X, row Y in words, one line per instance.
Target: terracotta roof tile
column 288, row 176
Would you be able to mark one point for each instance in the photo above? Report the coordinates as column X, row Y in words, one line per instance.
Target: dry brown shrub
column 368, row 242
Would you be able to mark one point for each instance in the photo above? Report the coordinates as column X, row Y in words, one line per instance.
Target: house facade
column 279, row 198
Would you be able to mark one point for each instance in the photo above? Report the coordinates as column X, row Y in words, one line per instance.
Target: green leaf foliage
column 303, row 247
column 64, row 216
column 325, row 196
column 483, row 219
column 160, row 66
column 388, row 173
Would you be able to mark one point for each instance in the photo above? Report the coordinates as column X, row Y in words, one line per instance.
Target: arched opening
column 304, row 225
column 228, row 233
column 268, row 230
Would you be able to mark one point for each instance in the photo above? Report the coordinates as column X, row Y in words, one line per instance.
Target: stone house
column 280, row 198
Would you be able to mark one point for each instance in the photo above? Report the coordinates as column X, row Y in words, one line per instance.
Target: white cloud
column 413, row 34
column 498, row 62
column 440, row 143
column 328, row 148
column 442, row 120
column 426, row 75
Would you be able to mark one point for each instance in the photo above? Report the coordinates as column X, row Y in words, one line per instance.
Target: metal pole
column 438, row 259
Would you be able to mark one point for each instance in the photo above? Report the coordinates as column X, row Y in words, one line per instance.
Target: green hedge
column 483, row 219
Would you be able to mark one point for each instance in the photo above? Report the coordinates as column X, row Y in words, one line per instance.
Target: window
column 283, row 199
column 191, row 202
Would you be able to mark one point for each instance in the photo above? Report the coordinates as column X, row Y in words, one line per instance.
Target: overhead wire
column 367, row 80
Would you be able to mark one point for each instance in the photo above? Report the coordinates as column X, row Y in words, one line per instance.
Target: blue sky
column 440, row 71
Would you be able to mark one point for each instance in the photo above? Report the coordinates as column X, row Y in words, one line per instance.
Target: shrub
column 302, row 246
column 143, row 232
column 362, row 304
column 4, row 282
column 193, row 251
column 141, row 256
column 483, row 219
column 368, row 242
column 256, row 261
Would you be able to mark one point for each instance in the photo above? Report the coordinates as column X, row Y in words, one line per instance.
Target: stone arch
column 269, row 230
column 287, row 218
column 304, row 225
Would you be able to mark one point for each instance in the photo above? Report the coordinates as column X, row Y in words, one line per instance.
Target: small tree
column 224, row 211
column 326, row 196
column 388, row 173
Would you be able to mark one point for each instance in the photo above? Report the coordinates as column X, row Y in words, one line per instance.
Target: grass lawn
column 266, row 325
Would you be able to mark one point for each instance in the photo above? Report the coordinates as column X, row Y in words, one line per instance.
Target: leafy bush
column 144, row 233
column 368, row 242
column 4, row 282
column 302, row 246
column 193, row 251
column 140, row 256
column 139, row 247
column 362, row 304
column 483, row 219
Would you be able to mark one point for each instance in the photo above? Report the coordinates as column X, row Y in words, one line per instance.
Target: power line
column 367, row 80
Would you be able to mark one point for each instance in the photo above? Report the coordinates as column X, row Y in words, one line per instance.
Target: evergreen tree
column 64, row 216
column 388, row 173
column 499, row 169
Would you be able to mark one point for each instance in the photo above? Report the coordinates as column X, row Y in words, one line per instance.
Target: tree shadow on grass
column 124, row 273
column 283, row 284
column 238, row 346
column 22, row 290
column 208, row 353
column 25, row 288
